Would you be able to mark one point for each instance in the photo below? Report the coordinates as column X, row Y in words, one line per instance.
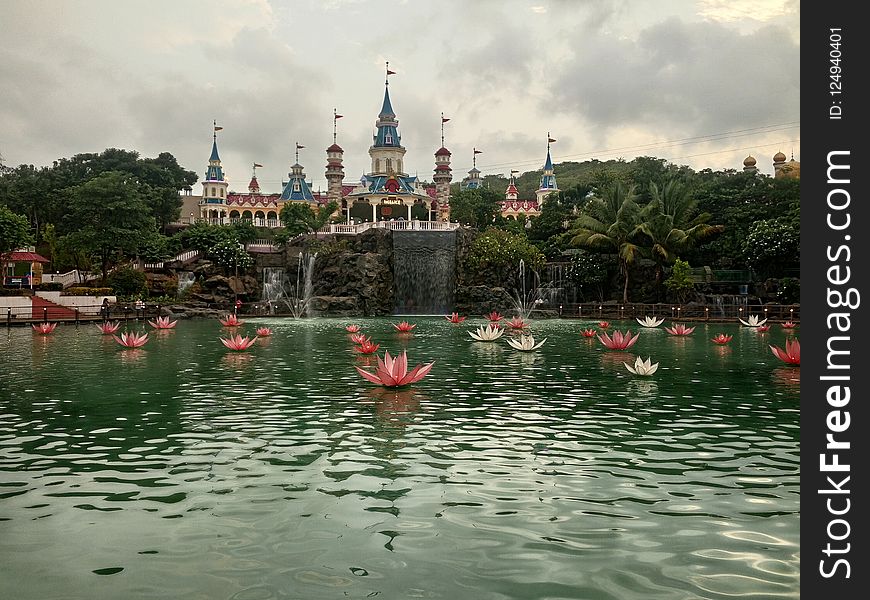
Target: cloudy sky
column 697, row 82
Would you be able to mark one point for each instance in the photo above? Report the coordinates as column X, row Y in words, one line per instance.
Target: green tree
column 477, row 208
column 14, row 233
column 109, row 218
column 671, row 223
column 611, row 222
column 298, row 217
column 680, row 283
column 590, row 272
column 127, row 282
column 231, row 255
column 772, row 246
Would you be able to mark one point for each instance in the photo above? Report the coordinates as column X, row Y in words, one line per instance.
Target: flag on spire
column 390, row 72
column 299, row 146
column 549, row 139
column 513, row 171
column 476, row 151
column 257, row 165
column 337, row 116
column 444, row 119
column 216, row 128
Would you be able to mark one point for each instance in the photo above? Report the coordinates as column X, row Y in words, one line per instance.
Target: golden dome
column 749, row 161
column 779, row 157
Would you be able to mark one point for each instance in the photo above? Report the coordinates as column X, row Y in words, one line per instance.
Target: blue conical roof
column 548, row 166
column 387, row 108
column 214, row 152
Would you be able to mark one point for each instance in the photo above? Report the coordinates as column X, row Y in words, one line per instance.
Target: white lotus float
column 489, row 333
column 649, row 321
column 526, row 343
column 642, row 367
column 753, row 321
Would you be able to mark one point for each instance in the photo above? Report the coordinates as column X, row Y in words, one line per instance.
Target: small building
column 22, row 268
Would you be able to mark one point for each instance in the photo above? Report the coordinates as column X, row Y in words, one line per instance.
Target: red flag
column 390, row 72
column 445, row 119
column 338, row 116
column 549, row 139
column 216, row 128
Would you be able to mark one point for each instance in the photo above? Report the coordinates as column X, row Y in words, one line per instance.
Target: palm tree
column 611, row 221
column 671, row 225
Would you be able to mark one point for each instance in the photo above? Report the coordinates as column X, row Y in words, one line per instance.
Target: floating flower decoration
column 358, row 338
column 488, row 333
column 753, row 321
column 526, row 343
column 237, row 342
column 109, row 327
column 604, row 324
column 650, row 321
column 404, row 327
column 44, row 328
column 680, row 329
column 163, row 323
column 517, row 323
column 131, row 339
column 455, row 318
column 721, row 339
column 494, row 316
column 792, row 353
column 763, row 328
column 367, row 347
column 619, row 341
column 789, row 325
column 394, row 372
column 642, row 367
column 589, row 333
column 263, row 332
column 231, row 321
column 352, row 329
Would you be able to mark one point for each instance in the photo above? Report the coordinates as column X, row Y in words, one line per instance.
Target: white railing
column 261, row 246
column 186, row 256
column 65, row 279
column 412, row 225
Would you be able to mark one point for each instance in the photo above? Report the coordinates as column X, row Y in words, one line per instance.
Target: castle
column 386, row 192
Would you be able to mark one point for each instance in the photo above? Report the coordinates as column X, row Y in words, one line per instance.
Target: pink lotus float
column 109, row 327
column 721, row 339
column 494, row 316
column 792, row 353
column 517, row 324
column 352, row 328
column 394, row 372
column 604, row 324
column 263, row 332
column 358, row 338
column 44, row 328
column 231, row 321
column 455, row 318
column 404, row 327
column 163, row 323
column 789, row 325
column 238, row 343
column 619, row 340
column 680, row 329
column 589, row 333
column 131, row 339
column 762, row 328
column 367, row 347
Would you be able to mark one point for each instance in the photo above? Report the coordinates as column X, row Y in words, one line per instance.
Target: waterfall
column 185, row 280
column 424, row 267
column 273, row 286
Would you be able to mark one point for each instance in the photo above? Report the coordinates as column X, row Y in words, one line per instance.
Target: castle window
column 222, row 192
column 389, row 164
column 296, row 186
column 213, row 192
column 377, row 165
column 399, row 162
column 388, row 138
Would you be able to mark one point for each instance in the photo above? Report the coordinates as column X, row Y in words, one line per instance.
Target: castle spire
column 548, row 179
column 443, row 176
column 334, row 159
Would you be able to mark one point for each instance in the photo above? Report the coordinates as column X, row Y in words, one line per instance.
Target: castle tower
column 511, row 192
column 749, row 164
column 387, row 152
column 334, row 167
column 473, row 182
column 254, row 185
column 548, row 179
column 214, row 186
column 296, row 189
column 443, row 176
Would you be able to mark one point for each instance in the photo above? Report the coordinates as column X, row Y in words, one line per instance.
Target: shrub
column 127, row 282
column 52, row 286
column 86, row 291
column 680, row 283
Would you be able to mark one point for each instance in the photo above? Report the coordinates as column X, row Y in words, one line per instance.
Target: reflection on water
column 184, row 469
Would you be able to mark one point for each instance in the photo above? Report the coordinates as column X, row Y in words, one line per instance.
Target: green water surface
column 184, row 470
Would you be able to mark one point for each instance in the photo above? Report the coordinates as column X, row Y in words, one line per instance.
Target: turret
column 443, row 176
column 548, row 179
column 334, row 166
column 214, row 186
column 387, row 152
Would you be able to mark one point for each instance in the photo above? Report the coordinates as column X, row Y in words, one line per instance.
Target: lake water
column 184, row 470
